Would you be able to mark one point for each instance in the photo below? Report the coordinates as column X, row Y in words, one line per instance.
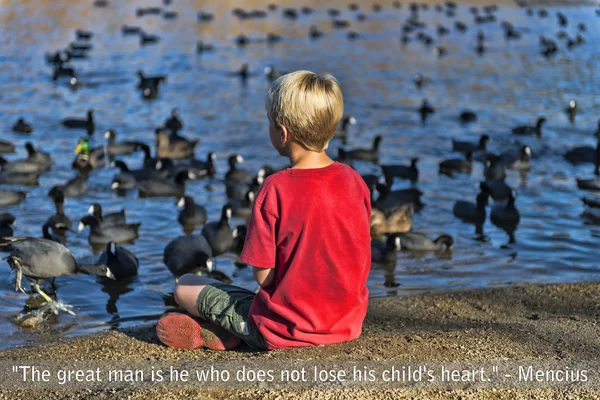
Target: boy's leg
column 181, row 331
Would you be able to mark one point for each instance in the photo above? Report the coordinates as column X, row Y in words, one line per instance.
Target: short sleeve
column 260, row 246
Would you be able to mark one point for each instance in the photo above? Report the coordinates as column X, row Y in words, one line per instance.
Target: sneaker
column 182, row 331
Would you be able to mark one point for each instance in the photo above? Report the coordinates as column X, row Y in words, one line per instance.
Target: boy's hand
column 263, row 276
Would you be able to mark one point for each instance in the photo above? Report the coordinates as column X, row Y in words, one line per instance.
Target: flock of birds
column 165, row 171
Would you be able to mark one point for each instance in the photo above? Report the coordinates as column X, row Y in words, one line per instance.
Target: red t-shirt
column 312, row 225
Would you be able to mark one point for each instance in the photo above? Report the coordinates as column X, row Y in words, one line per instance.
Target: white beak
column 527, row 151
column 181, row 202
column 158, row 164
column 261, row 172
column 352, row 120
column 397, row 243
column 80, row 227
column 109, row 274
column 213, row 156
column 234, row 233
column 191, row 175
column 91, row 210
column 115, row 185
column 107, row 135
column 239, row 158
column 251, row 196
column 228, row 213
column 113, row 248
column 209, row 265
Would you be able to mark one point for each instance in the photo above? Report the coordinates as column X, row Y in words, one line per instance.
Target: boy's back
column 313, row 225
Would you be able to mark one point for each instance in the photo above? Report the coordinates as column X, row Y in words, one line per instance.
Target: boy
column 308, row 241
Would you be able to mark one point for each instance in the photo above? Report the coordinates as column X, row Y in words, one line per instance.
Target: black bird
column 7, row 221
column 115, row 148
column 371, row 154
column 442, row 30
column 147, row 38
column 497, row 189
column 290, row 13
column 174, row 124
column 112, row 219
column 187, row 254
column 11, row 197
column 465, row 147
column 242, row 40
column 162, row 188
column 530, row 130
column 562, row 19
column 60, row 70
column 461, row 27
column 425, row 110
column 219, row 234
column 506, row 217
column 121, row 262
column 149, row 81
column 474, row 213
column 192, row 214
column 520, row 161
column 59, row 222
column 572, row 110
column 315, row 33
column 22, row 127
column 410, row 172
column 202, row 47
column 236, row 174
column 467, row 116
column 459, row 165
column 584, row 154
column 204, row 16
column 494, row 169
column 41, row 259
column 130, row 30
column 80, row 34
column 101, row 235
column 419, row 80
column 77, row 123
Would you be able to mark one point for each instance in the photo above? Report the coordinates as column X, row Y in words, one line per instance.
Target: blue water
column 510, row 85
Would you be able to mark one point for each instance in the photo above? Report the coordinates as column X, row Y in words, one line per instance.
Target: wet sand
column 543, row 323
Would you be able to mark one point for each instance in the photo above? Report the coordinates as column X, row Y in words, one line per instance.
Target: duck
column 177, row 150
column 243, row 73
column 187, row 254
column 467, row 116
column 22, row 127
column 203, row 16
column 236, row 174
column 409, row 172
column 164, row 188
column 59, row 222
column 238, row 190
column 6, row 147
column 122, row 263
column 242, row 208
column 425, row 110
column 474, row 213
column 457, row 165
column 127, row 179
column 192, row 214
column 112, row 219
column 150, row 92
column 466, row 147
column 593, row 207
column 572, row 110
column 11, row 197
column 19, row 166
column 584, row 154
column 19, row 178
column 370, row 155
column 385, row 253
column 77, row 123
column 41, row 259
column 80, row 34
column 115, row 148
column 342, row 132
column 218, row 234
column 149, row 81
column 7, row 221
column 273, row 38
column 520, row 161
column 399, row 220
column 174, row 124
column 101, row 235
column 74, row 187
column 530, row 130
column 52, row 235
column 60, row 70
column 506, row 216
column 497, row 189
column 88, row 158
column 36, row 156
column 130, row 30
column 415, row 241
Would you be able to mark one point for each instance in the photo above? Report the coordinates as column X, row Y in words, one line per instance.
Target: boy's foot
column 181, row 331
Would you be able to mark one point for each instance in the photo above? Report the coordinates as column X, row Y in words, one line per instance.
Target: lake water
column 510, row 85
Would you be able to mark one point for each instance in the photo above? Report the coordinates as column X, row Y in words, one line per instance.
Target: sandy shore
column 544, row 323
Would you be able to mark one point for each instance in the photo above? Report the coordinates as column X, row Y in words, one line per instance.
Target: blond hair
column 310, row 106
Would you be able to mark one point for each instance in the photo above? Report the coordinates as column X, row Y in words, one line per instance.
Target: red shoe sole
column 181, row 331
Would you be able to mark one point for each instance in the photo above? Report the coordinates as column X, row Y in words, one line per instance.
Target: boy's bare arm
column 263, row 276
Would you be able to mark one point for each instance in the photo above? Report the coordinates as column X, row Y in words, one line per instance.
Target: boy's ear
column 284, row 134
